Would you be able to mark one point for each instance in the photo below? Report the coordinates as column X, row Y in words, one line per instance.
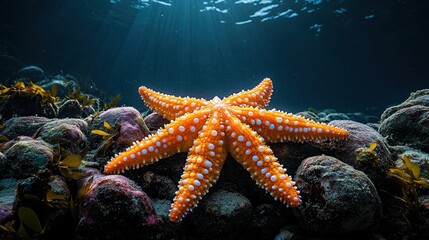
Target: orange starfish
column 209, row 130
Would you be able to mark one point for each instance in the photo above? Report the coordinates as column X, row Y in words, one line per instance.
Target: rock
column 291, row 154
column 158, row 186
column 336, row 198
column 230, row 212
column 31, row 73
column 69, row 133
column 408, row 126
column 6, row 215
column 154, row 121
column 70, row 109
column 7, row 197
column 114, row 205
column 420, row 97
column 374, row 126
column 33, row 193
column 162, row 208
column 266, row 222
column 7, row 193
column 361, row 136
column 25, row 158
column 22, row 126
column 132, row 127
column 418, row 157
column 127, row 127
column 285, row 234
column 170, row 230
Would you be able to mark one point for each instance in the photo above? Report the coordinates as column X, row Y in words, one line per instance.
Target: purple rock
column 132, row 127
column 336, row 198
column 154, row 121
column 115, row 207
column 69, row 133
column 361, row 136
column 22, row 126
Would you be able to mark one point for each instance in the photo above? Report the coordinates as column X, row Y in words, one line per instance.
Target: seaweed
column 83, row 99
column 69, row 163
column 409, row 182
column 30, row 90
column 114, row 101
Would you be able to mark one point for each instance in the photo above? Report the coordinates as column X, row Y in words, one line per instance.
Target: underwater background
column 82, row 157
column 350, row 55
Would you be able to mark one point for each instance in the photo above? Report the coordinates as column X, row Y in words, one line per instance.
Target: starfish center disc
column 217, row 103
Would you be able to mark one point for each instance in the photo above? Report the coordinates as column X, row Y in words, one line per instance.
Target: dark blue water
column 351, row 55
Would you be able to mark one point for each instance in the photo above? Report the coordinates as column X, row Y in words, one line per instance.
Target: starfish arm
column 278, row 126
column 256, row 97
column 203, row 165
column 170, row 106
column 249, row 149
column 176, row 136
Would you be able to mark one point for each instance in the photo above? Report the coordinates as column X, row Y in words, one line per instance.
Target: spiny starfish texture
column 210, row 130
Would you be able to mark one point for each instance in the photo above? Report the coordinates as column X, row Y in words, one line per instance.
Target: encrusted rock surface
column 336, row 198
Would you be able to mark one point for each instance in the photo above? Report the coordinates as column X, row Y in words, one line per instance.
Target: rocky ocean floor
column 55, row 141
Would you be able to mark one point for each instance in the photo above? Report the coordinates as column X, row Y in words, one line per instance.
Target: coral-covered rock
column 114, row 207
column 154, row 121
column 336, row 198
column 22, row 126
column 361, row 136
column 70, row 109
column 420, row 97
column 417, row 157
column 127, row 120
column 408, row 126
column 228, row 211
column 69, row 133
column 25, row 158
